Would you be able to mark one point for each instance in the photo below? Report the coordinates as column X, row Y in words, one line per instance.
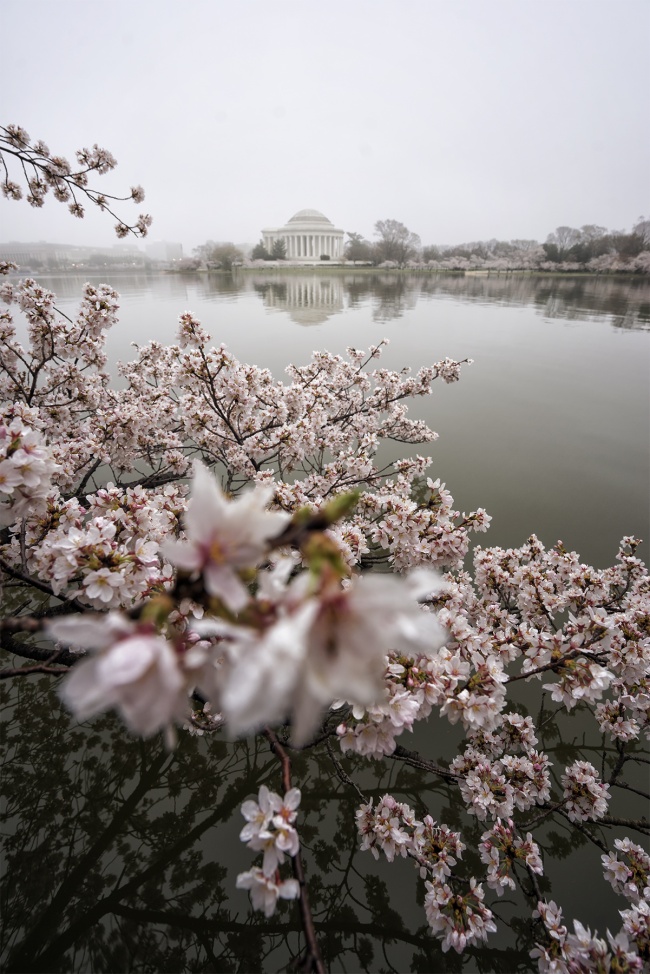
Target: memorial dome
column 310, row 216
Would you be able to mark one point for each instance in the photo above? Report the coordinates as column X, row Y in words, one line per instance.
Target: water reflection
column 313, row 300
column 626, row 300
column 121, row 856
column 307, row 300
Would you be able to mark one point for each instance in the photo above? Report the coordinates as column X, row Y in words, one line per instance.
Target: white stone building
column 307, row 236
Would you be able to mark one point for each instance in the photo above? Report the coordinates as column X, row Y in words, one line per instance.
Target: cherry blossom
column 224, row 536
column 629, row 875
column 265, row 891
column 270, row 829
column 258, row 813
column 458, row 920
column 586, row 797
column 42, row 171
column 26, row 464
column 134, row 669
column 501, row 848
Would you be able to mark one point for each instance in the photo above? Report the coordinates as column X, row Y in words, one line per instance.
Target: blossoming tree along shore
column 206, row 533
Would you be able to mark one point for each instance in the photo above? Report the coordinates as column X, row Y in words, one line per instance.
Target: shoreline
column 328, row 270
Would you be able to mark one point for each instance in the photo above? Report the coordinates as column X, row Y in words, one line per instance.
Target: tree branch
column 313, row 959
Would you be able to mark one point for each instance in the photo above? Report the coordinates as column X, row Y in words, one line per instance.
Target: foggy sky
column 465, row 120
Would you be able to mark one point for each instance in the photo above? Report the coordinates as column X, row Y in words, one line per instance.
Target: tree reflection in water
column 121, row 855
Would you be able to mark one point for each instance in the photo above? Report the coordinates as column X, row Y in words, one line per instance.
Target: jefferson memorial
column 307, row 235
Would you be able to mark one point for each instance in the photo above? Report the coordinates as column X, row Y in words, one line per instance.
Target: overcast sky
column 464, row 120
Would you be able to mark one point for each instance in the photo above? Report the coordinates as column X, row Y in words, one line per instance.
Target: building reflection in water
column 307, row 300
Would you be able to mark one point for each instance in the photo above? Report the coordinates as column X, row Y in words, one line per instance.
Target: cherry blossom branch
column 417, row 761
column 585, row 831
column 28, row 670
column 38, row 653
column 55, row 172
column 640, row 824
column 637, row 791
column 341, row 773
column 20, row 624
column 41, row 586
column 555, row 665
column 534, row 883
column 549, row 810
column 86, row 477
column 313, row 958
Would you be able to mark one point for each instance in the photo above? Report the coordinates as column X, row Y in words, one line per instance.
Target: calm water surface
column 549, row 429
column 122, row 857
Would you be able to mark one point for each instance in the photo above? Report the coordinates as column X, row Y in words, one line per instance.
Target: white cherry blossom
column 134, row 669
column 265, row 891
column 224, row 535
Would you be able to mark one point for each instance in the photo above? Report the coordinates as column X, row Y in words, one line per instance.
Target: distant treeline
column 565, row 245
column 591, row 248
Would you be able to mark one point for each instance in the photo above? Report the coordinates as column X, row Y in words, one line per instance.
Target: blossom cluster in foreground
column 270, row 829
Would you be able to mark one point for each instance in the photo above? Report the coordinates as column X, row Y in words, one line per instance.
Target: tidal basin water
column 549, row 429
column 121, row 856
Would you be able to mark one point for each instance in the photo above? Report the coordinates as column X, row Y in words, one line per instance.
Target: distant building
column 307, row 236
column 42, row 256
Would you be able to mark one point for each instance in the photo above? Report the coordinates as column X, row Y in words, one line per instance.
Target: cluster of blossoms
column 270, row 829
column 458, row 919
column 455, row 911
column 106, row 554
column 41, row 171
column 501, row 847
column 293, row 647
column 585, row 796
column 190, row 399
column 256, row 591
column 629, row 875
column 494, row 788
column 636, row 927
column 26, row 464
column 564, row 953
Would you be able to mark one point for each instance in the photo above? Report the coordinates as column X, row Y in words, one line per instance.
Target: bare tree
column 565, row 237
column 357, row 248
column 219, row 254
column 524, row 245
column 642, row 229
column 396, row 242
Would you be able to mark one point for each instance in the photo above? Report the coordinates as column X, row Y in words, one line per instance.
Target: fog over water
column 464, row 121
